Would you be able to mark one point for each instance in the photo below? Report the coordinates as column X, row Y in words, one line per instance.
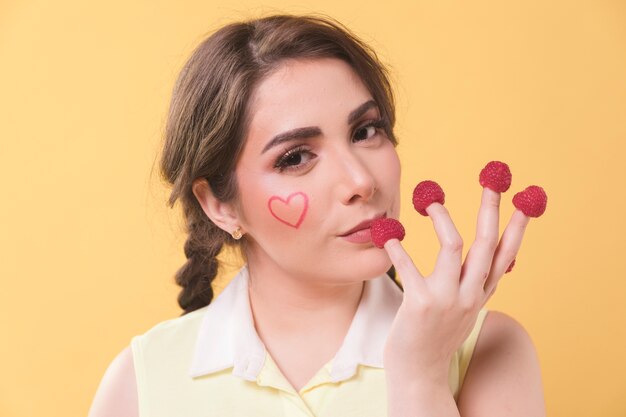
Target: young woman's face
column 315, row 166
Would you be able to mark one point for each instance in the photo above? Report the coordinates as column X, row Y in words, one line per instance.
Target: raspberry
column 496, row 175
column 384, row 229
column 426, row 193
column 532, row 201
column 510, row 268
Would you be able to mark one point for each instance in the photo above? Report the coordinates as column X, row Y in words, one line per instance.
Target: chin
column 371, row 264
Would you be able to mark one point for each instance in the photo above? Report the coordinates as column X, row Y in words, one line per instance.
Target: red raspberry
column 532, row 201
column 384, row 229
column 496, row 175
column 426, row 193
column 510, row 268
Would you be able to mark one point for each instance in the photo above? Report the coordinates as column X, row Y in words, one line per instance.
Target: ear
column 222, row 214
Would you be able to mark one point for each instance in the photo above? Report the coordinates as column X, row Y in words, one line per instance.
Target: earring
column 236, row 234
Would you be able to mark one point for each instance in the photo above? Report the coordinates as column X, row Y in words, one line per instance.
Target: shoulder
column 127, row 374
column 117, row 392
column 170, row 338
column 188, row 320
column 504, row 377
column 499, row 327
column 177, row 333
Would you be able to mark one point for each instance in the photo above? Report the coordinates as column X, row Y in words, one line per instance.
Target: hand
column 439, row 312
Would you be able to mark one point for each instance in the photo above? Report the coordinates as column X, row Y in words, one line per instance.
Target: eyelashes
column 300, row 156
column 292, row 159
column 378, row 124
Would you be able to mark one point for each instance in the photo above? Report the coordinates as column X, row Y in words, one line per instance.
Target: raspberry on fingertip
column 496, row 176
column 532, row 201
column 426, row 193
column 385, row 229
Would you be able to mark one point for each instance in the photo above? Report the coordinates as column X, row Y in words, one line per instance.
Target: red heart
column 290, row 211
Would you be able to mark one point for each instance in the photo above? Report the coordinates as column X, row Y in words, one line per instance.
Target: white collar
column 227, row 336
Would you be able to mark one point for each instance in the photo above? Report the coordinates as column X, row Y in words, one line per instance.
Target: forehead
column 303, row 93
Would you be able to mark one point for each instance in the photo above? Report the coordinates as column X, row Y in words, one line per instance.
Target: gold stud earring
column 236, row 234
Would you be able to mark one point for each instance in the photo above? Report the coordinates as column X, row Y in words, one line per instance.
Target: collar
column 227, row 337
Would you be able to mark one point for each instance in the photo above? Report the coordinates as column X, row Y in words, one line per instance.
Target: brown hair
column 208, row 118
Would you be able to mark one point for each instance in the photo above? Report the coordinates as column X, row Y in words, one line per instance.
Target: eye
column 294, row 159
column 369, row 130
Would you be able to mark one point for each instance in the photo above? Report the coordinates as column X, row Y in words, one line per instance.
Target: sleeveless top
column 211, row 362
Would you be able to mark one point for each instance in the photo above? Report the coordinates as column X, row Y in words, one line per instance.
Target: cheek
column 390, row 176
column 289, row 210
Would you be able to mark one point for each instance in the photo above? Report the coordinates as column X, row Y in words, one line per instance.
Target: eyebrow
column 312, row 131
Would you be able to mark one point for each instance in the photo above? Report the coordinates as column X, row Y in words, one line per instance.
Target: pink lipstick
column 361, row 233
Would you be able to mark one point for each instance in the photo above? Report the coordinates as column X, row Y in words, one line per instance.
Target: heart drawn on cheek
column 290, row 211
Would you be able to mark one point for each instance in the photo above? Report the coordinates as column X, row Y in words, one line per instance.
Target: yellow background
column 89, row 248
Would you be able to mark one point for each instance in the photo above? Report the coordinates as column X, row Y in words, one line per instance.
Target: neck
column 289, row 306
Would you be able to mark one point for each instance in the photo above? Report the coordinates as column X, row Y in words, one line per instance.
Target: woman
column 280, row 141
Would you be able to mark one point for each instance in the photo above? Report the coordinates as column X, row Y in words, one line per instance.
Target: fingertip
column 432, row 209
column 392, row 244
column 426, row 193
column 395, row 250
column 492, row 197
column 496, row 175
column 520, row 217
column 532, row 201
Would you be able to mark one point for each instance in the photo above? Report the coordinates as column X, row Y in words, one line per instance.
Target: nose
column 355, row 180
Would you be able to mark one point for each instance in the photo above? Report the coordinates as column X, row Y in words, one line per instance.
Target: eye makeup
column 300, row 156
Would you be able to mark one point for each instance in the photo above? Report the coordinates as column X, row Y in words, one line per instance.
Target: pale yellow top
column 211, row 362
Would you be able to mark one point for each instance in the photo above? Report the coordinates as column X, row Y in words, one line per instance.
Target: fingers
column 448, row 264
column 479, row 258
column 412, row 279
column 487, row 296
column 507, row 249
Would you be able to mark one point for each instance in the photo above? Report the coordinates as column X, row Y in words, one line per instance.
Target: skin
column 298, row 300
column 291, row 210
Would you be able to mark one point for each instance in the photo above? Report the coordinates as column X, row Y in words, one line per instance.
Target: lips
column 366, row 224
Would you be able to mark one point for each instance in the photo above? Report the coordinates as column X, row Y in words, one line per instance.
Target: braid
column 203, row 244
